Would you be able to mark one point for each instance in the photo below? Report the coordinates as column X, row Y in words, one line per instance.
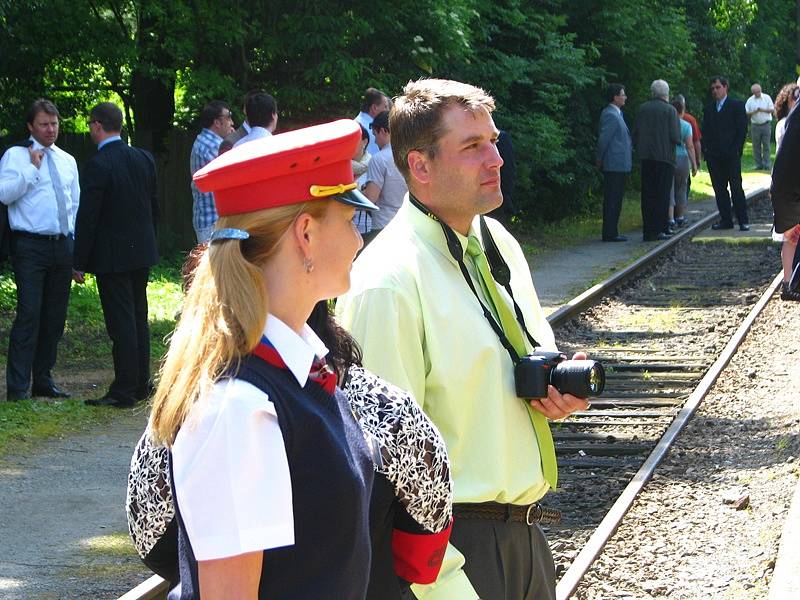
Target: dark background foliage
column 545, row 61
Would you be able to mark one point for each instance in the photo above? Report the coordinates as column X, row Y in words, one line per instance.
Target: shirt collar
column 720, row 103
column 208, row 132
column 365, row 116
column 108, row 140
column 37, row 146
column 296, row 350
column 261, row 131
column 431, row 231
column 246, row 126
column 615, row 107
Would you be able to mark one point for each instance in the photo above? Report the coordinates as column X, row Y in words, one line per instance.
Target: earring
column 308, row 264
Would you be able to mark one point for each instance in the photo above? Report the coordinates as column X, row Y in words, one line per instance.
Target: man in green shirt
column 421, row 327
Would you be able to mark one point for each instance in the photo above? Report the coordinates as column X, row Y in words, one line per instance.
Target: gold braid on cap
column 323, row 191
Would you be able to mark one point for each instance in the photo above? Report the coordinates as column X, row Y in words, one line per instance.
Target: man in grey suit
column 614, row 159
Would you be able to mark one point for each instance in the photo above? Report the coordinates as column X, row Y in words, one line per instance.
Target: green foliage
column 545, row 62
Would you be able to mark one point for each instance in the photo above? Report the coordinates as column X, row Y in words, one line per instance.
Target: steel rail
column 608, row 526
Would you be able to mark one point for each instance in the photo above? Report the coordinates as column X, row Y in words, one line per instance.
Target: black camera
column 581, row 378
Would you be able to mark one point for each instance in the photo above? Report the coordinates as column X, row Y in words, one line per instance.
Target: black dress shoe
column 744, row 227
column 16, row 396
column 49, row 391
column 718, row 226
column 619, row 238
column 109, row 401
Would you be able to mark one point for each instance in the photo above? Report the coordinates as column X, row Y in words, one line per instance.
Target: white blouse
column 232, row 479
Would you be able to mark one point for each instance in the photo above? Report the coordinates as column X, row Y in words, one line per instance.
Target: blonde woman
column 270, row 470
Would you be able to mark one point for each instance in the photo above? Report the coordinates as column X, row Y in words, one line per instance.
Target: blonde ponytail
column 223, row 315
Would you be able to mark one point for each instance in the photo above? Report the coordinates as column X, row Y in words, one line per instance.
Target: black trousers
column 43, row 273
column 727, row 172
column 656, row 185
column 123, row 297
column 613, row 191
column 505, row 561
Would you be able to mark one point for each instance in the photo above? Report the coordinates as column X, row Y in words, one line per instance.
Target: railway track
column 659, row 326
column 663, row 339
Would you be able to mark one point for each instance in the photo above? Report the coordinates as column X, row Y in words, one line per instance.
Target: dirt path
column 62, row 516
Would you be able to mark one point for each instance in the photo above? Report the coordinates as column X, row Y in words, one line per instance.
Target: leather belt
column 39, row 236
column 493, row 511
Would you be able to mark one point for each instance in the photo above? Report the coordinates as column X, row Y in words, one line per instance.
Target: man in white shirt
column 262, row 116
column 375, row 101
column 760, row 108
column 39, row 184
column 385, row 184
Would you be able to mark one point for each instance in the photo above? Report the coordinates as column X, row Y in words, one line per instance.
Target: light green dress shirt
column 421, row 328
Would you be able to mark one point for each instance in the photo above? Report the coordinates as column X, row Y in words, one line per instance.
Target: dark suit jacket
column 785, row 189
column 724, row 132
column 115, row 226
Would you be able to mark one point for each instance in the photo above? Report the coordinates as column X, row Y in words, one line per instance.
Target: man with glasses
column 724, row 132
column 39, row 184
column 115, row 239
column 217, row 122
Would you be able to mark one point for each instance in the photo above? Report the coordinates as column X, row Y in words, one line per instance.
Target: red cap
column 306, row 164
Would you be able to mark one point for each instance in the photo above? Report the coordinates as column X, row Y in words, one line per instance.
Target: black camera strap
column 457, row 252
column 502, row 274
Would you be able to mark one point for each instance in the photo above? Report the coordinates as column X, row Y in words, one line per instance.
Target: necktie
column 61, row 199
column 320, row 372
column 513, row 332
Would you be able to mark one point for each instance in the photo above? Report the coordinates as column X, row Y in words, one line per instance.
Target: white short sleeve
column 376, row 170
column 232, row 479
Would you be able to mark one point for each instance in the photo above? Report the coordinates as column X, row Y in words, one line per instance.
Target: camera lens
column 581, row 378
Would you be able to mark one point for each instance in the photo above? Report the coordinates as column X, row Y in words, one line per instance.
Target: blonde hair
column 223, row 315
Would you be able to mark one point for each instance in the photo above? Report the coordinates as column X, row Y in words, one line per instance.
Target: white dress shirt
column 29, row 193
column 232, row 478
column 255, row 133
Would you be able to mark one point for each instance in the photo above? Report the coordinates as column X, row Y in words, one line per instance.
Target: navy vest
column 331, row 472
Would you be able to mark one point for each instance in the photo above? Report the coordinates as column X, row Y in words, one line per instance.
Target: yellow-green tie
column 513, row 332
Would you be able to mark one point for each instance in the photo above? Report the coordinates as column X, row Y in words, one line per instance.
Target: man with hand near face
column 421, row 326
column 39, row 184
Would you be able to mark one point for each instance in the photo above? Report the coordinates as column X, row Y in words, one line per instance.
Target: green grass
column 541, row 238
column 84, row 357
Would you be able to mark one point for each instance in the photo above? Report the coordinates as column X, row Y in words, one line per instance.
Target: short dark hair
column 364, row 132
column 416, row 117
column 613, row 90
column 723, row 80
column 260, row 109
column 108, row 115
column 41, row 105
column 371, row 96
column 381, row 121
column 212, row 111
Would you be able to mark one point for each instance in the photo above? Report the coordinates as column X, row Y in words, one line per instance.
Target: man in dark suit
column 115, row 239
column 724, row 132
column 614, row 159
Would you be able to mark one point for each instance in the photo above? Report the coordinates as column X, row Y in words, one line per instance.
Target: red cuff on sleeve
column 418, row 556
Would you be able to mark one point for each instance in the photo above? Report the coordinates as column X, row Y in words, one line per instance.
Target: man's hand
column 557, row 405
column 78, row 277
column 36, row 156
